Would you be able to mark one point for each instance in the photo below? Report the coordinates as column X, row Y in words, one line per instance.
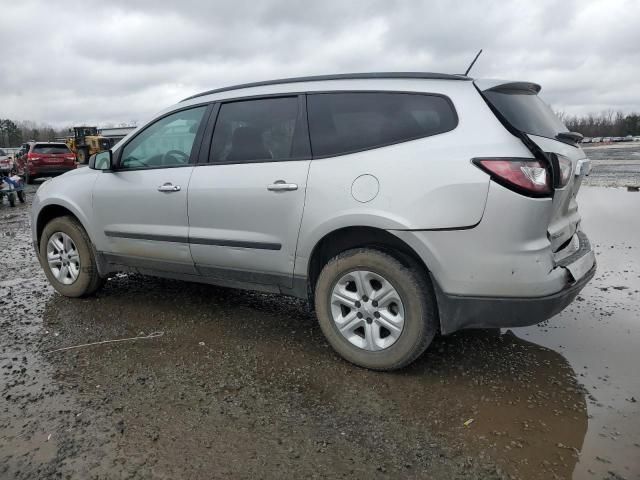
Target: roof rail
column 339, row 76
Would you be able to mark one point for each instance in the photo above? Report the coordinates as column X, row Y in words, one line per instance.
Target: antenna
column 472, row 63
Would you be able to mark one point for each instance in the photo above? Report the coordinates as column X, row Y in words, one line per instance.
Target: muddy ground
column 243, row 385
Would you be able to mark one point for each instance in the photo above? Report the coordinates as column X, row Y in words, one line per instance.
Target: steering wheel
column 169, row 158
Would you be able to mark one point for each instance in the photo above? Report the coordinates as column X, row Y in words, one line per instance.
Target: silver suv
column 401, row 204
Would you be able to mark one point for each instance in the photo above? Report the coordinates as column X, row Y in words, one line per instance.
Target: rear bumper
column 459, row 312
column 46, row 170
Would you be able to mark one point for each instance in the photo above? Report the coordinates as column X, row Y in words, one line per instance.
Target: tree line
column 14, row 133
column 604, row 124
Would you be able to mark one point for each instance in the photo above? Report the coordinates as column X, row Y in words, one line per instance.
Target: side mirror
column 101, row 160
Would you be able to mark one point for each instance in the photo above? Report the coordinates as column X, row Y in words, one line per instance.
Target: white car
column 400, row 204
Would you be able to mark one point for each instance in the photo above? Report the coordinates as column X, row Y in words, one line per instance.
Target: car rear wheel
column 374, row 311
column 68, row 258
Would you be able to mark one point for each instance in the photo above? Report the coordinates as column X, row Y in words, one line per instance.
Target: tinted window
column 49, row 148
column 165, row 143
column 44, row 148
column 526, row 111
column 254, row 130
column 346, row 122
column 2, row 153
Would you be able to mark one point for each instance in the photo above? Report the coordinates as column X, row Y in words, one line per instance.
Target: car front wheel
column 68, row 259
column 375, row 311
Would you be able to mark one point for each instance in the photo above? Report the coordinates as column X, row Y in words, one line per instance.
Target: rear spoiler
column 507, row 87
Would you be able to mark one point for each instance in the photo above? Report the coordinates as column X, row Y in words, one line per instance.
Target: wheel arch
column 51, row 211
column 347, row 238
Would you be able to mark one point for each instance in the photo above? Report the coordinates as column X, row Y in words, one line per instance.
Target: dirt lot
column 243, row 385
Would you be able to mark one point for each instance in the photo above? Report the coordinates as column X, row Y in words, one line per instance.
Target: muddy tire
column 12, row 199
column 68, row 259
column 21, row 196
column 380, row 335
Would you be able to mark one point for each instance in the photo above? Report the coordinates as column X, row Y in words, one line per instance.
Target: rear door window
column 347, row 122
column 260, row 130
column 526, row 111
column 48, row 149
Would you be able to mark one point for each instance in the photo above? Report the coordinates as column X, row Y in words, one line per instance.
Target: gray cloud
column 68, row 62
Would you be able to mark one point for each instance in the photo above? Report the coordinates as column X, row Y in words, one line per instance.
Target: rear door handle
column 282, row 186
column 169, row 187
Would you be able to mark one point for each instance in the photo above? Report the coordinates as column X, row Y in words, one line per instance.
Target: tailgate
column 520, row 108
column 56, row 158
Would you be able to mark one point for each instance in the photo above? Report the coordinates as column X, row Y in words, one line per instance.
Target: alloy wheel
column 367, row 310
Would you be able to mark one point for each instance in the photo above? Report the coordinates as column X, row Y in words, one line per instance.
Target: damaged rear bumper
column 458, row 312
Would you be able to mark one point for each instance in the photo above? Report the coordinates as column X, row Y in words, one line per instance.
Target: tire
column 88, row 280
column 21, row 196
column 417, row 300
column 12, row 199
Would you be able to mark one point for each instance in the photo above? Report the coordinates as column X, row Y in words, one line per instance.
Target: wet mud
column 243, row 385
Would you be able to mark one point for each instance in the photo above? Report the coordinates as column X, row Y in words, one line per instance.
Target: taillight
column 523, row 175
column 566, row 169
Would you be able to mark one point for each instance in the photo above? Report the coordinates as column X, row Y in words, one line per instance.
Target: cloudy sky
column 113, row 61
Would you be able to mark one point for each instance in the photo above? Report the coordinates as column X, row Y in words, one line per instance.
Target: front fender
column 70, row 192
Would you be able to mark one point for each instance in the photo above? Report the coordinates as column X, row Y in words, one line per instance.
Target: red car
column 45, row 159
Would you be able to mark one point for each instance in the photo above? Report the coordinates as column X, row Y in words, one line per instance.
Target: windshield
column 526, row 111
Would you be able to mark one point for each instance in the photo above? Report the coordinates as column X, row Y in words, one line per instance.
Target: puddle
column 599, row 335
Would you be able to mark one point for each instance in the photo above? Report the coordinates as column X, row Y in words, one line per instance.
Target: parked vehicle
column 586, row 140
column 86, row 141
column 606, row 139
column 45, row 159
column 596, row 140
column 400, row 204
column 6, row 163
column 628, row 138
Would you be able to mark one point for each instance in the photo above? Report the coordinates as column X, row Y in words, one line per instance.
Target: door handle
column 282, row 186
column 169, row 187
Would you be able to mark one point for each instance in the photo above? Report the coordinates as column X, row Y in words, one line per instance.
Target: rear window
column 347, row 122
column 2, row 154
column 49, row 148
column 526, row 111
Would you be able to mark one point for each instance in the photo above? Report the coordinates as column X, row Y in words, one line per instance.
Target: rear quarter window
column 46, row 148
column 345, row 122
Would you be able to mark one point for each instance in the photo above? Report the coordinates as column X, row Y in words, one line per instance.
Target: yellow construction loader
column 86, row 141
